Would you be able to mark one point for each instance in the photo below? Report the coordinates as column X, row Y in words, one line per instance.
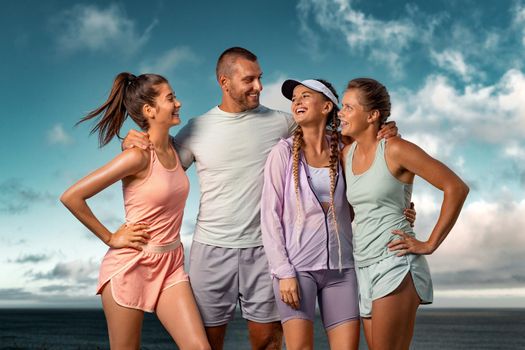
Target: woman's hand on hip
column 130, row 236
column 406, row 244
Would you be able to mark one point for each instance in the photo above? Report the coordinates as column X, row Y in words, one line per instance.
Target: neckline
column 316, row 168
column 176, row 159
column 371, row 165
column 237, row 114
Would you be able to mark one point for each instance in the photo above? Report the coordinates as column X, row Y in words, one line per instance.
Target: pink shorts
column 138, row 277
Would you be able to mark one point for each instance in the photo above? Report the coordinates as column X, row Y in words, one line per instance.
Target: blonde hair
column 298, row 144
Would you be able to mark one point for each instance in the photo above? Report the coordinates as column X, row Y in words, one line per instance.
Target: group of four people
column 273, row 233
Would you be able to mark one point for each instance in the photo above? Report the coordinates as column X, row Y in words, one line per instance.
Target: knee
column 198, row 345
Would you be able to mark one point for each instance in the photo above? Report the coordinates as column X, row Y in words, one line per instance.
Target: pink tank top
column 158, row 201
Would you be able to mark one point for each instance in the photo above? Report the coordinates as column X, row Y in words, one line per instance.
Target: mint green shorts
column 383, row 277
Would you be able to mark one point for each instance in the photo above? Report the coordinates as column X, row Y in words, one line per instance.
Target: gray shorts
column 336, row 293
column 382, row 278
column 222, row 277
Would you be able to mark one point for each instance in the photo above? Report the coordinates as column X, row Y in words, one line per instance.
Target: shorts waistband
column 163, row 248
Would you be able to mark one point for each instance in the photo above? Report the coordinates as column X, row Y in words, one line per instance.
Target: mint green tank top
column 378, row 199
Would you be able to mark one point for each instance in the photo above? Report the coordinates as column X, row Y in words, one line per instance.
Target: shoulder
column 134, row 158
column 399, row 148
column 266, row 110
column 283, row 148
column 346, row 149
column 186, row 131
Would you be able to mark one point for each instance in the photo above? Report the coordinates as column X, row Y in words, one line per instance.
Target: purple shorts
column 336, row 292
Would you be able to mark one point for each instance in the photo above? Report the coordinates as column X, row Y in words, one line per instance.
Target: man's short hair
column 229, row 56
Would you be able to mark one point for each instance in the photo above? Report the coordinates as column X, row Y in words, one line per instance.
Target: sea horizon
column 85, row 328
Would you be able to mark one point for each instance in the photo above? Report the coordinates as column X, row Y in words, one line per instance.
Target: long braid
column 334, row 167
column 296, row 152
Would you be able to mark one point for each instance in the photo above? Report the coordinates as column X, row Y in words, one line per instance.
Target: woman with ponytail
column 305, row 221
column 143, row 269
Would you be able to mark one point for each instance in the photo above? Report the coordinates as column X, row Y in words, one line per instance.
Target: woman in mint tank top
column 392, row 271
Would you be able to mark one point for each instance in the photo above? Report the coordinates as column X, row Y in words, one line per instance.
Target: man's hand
column 410, row 214
column 387, row 130
column 136, row 138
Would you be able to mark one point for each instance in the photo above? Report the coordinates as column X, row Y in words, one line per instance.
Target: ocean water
column 86, row 329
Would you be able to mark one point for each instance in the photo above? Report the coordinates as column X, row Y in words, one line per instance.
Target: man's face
column 244, row 86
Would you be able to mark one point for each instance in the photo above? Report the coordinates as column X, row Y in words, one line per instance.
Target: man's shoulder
column 267, row 110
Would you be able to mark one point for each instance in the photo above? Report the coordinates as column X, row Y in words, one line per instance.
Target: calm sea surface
column 86, row 329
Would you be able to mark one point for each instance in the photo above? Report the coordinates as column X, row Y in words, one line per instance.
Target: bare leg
column 124, row 324
column 178, row 313
column 265, row 336
column 394, row 317
column 216, row 336
column 299, row 334
column 345, row 336
column 367, row 325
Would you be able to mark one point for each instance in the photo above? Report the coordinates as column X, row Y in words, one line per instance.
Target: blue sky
column 455, row 71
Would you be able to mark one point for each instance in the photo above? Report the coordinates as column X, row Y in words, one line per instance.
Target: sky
column 454, row 69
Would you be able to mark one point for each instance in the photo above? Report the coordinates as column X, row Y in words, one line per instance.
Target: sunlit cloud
column 272, row 96
column 488, row 113
column 453, row 61
column 91, row 28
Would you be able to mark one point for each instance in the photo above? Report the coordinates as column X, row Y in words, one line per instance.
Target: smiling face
column 243, row 87
column 166, row 107
column 353, row 115
column 309, row 107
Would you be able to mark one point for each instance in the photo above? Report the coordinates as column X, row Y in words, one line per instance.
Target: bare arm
column 128, row 164
column 388, row 130
column 136, row 138
column 413, row 159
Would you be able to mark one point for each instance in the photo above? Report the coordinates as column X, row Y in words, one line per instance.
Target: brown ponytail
column 128, row 95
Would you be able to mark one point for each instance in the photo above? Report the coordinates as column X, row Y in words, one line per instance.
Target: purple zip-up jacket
column 310, row 243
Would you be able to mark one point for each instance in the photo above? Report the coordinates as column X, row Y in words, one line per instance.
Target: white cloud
column 383, row 41
column 168, row 61
column 487, row 242
column 519, row 19
column 272, row 97
column 453, row 61
column 57, row 135
column 515, row 150
column 79, row 271
column 493, row 114
column 87, row 27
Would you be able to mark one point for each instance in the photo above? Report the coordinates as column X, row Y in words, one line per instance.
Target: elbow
column 464, row 190
column 457, row 190
column 461, row 190
column 66, row 198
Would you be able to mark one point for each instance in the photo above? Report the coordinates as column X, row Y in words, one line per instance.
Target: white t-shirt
column 230, row 151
